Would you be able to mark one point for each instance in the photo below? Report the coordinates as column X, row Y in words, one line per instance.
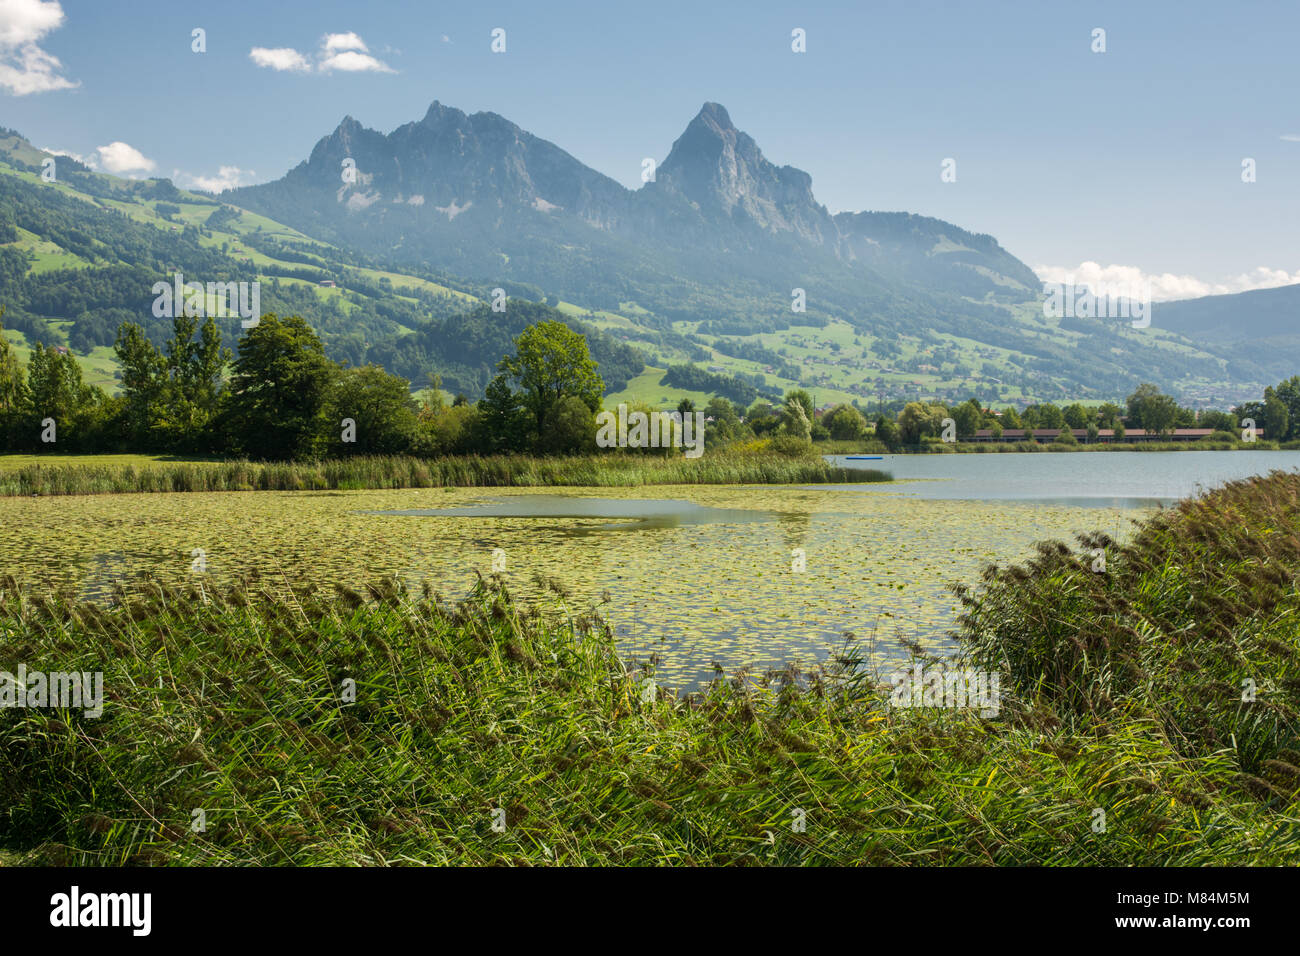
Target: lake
column 1086, row 479
column 692, row 574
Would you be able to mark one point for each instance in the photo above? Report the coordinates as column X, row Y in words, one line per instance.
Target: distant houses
column 1104, row 435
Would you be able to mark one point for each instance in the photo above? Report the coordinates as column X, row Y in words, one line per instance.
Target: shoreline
column 1027, row 448
column 83, row 475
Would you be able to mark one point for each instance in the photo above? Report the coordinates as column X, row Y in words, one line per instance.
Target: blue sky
column 1131, row 158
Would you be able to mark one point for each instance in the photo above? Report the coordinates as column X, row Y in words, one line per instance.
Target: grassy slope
column 99, row 367
column 237, row 703
column 646, row 388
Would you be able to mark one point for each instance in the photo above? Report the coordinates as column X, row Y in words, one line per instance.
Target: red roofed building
column 1104, row 435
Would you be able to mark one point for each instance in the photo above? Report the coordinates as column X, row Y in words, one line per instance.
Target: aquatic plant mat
column 874, row 563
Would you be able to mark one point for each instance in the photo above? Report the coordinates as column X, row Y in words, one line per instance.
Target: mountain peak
column 720, row 170
column 715, row 116
column 437, row 112
column 347, row 126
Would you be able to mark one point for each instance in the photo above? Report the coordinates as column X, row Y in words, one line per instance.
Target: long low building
column 1104, row 435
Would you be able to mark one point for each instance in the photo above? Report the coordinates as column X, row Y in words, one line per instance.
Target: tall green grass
column 83, row 478
column 1121, row 695
column 1194, row 625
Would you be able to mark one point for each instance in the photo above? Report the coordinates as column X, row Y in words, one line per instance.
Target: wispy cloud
column 345, row 52
column 227, row 177
column 84, row 160
column 1290, row 137
column 1165, row 286
column 25, row 68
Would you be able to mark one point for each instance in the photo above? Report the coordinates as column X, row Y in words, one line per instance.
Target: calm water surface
column 1085, row 479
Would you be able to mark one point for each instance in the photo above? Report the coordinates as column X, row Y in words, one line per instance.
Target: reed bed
column 1194, row 623
column 82, row 478
column 485, row 732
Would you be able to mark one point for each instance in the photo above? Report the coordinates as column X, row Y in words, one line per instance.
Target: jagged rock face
column 723, row 174
column 450, row 162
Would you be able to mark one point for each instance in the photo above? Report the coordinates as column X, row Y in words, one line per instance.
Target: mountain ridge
column 485, row 174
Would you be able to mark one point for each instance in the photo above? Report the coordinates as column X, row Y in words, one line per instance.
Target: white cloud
column 84, row 160
column 281, row 58
column 343, row 41
column 1291, row 137
column 227, row 177
column 1165, row 286
column 25, row 67
column 353, row 62
column 338, row 51
column 26, row 21
column 119, row 157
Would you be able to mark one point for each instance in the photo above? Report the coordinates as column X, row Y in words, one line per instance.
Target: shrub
column 791, row 446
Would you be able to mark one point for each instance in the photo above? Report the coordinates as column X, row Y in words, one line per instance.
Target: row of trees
column 283, row 398
column 1278, row 414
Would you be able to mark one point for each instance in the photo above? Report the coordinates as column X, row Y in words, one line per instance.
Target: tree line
column 282, row 398
column 1277, row 414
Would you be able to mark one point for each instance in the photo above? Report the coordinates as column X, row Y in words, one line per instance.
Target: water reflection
column 794, row 527
column 641, row 514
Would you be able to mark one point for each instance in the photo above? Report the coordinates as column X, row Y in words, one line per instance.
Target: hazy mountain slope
column 1258, row 331
column 1262, row 313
